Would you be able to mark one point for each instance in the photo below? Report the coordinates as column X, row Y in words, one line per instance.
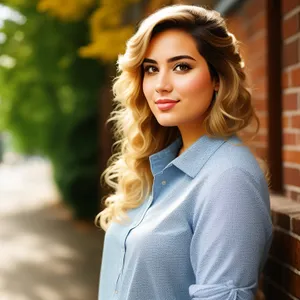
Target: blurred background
column 57, row 61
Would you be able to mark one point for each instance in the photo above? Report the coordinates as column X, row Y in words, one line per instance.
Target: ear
column 216, row 86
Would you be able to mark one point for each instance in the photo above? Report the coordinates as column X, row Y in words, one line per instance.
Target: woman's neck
column 190, row 134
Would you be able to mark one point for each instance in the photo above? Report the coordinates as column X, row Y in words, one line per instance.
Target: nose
column 163, row 83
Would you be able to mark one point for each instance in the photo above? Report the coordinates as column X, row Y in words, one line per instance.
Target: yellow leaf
column 66, row 10
column 109, row 45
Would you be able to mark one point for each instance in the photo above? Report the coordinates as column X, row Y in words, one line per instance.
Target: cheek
column 196, row 84
column 147, row 89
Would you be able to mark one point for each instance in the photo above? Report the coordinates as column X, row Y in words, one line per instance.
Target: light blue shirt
column 203, row 233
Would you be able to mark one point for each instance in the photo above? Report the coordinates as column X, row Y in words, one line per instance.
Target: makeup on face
column 177, row 76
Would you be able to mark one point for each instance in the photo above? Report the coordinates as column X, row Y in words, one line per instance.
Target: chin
column 168, row 119
column 167, row 123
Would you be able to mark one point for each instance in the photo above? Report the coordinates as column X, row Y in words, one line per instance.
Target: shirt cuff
column 227, row 291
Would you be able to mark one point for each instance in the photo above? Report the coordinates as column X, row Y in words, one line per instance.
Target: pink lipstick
column 165, row 104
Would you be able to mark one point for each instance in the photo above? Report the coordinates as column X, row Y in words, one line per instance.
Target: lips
column 166, row 105
column 165, row 101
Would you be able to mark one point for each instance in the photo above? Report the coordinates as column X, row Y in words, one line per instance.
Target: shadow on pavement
column 44, row 256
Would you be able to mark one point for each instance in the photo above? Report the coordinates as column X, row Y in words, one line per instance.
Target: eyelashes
column 181, row 67
column 184, row 65
column 147, row 69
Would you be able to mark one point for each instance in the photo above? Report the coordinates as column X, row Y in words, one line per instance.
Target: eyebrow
column 172, row 59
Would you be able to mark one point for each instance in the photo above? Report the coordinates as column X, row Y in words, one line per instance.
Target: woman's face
column 175, row 71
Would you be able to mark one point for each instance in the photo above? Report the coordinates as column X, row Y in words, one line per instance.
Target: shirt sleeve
column 231, row 238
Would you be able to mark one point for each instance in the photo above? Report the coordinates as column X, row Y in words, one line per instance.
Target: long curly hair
column 137, row 132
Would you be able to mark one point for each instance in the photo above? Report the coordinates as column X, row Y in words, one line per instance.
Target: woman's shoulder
column 234, row 155
column 234, row 172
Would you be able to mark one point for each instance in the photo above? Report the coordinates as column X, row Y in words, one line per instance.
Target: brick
column 261, row 152
column 296, row 224
column 285, row 121
column 258, row 72
column 286, row 249
column 291, row 156
column 257, row 23
column 263, row 121
column 288, row 5
column 298, row 138
column 260, row 89
column 285, row 79
column 289, row 138
column 258, row 45
column 295, row 121
column 260, row 104
column 291, row 176
column 237, row 24
column 295, row 196
column 290, row 101
column 290, row 26
column 273, row 293
column 274, row 271
column 256, row 59
column 292, row 283
column 262, row 138
column 295, row 77
column 253, row 8
column 284, row 205
column 280, row 219
column 290, row 53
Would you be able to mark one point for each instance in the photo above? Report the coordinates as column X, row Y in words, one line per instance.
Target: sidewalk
column 43, row 254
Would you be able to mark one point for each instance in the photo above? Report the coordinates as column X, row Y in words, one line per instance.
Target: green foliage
column 49, row 99
column 78, row 176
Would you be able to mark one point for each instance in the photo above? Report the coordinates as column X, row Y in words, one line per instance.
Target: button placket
column 123, row 248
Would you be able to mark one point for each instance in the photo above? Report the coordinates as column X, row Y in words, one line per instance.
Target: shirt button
column 163, row 182
column 116, row 292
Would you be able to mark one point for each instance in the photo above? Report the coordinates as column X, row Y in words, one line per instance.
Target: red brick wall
column 291, row 97
column 282, row 271
column 249, row 24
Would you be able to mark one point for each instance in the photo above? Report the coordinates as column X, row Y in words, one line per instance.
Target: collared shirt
column 203, row 233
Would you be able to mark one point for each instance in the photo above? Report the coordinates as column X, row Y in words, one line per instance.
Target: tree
column 49, row 99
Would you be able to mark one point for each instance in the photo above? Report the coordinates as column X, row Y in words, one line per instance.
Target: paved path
column 43, row 254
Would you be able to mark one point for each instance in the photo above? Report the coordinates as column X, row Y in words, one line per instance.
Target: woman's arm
column 232, row 235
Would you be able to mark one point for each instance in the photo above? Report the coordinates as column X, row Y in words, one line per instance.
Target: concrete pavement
column 44, row 255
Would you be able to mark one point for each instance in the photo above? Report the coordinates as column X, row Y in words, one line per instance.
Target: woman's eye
column 150, row 69
column 182, row 67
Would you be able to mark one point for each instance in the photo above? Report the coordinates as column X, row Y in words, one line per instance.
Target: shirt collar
column 191, row 161
column 159, row 160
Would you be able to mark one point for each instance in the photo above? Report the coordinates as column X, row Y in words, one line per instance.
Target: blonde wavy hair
column 136, row 131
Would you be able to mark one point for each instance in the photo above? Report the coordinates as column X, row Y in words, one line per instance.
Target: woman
column 189, row 217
